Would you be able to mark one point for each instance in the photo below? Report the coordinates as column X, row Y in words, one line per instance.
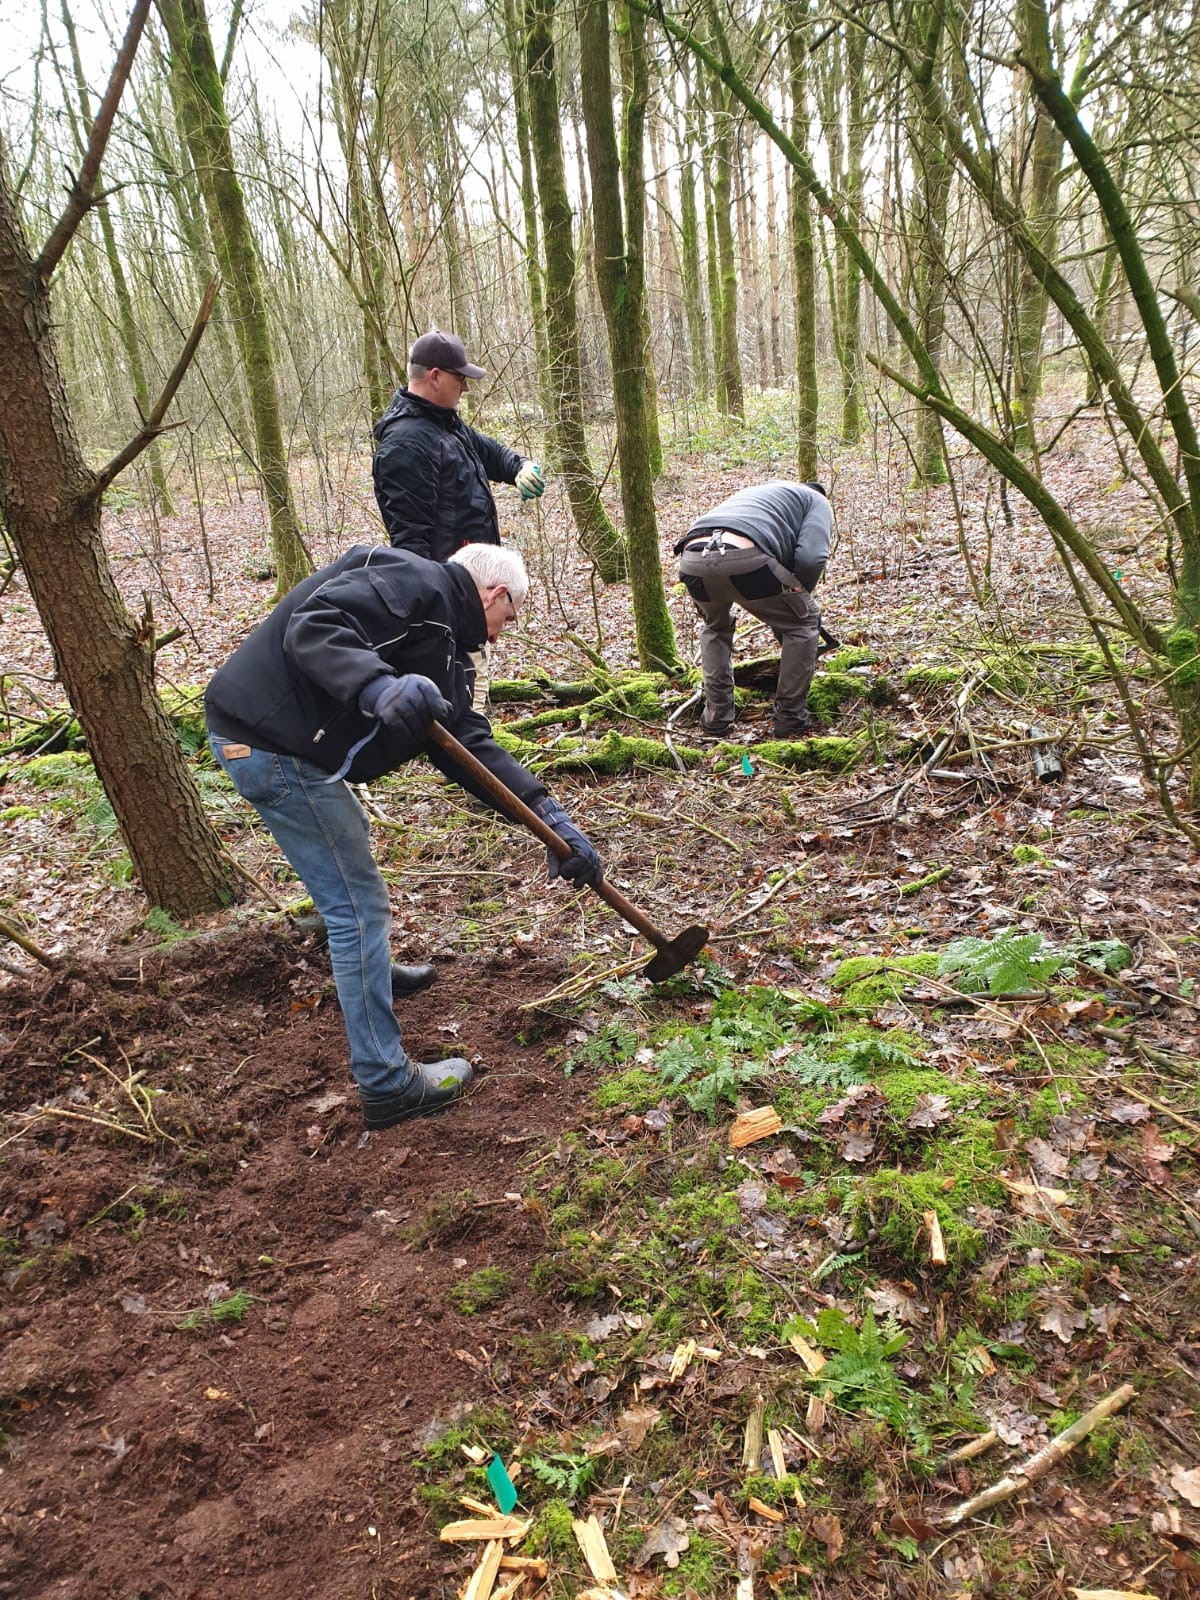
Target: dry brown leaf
column 828, row 1530
column 1186, row 1483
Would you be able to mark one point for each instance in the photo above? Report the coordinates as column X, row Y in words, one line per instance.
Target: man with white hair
column 338, row 685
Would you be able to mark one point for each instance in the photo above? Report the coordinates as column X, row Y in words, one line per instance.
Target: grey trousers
column 717, row 580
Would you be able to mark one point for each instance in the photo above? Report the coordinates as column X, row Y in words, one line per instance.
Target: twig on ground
column 788, row 877
column 946, row 740
column 679, row 821
column 30, row 946
column 1039, row 1464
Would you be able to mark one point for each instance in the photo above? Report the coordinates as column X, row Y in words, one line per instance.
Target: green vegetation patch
column 867, row 982
column 616, row 753
column 813, row 755
column 830, row 691
column 483, row 1289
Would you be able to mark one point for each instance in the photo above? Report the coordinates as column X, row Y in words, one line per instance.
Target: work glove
column 583, row 864
column 530, row 481
column 408, row 703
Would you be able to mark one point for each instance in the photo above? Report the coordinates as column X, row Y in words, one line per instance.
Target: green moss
column 634, row 1090
column 542, row 719
column 485, row 1288
column 927, row 675
column 553, row 1534
column 616, row 753
column 1028, row 855
column 893, row 1205
column 813, row 755
column 576, row 1268
column 68, row 769
column 633, row 694
column 926, row 882
column 831, row 690
column 523, row 750
column 705, row 1568
column 18, row 813
column 869, row 981
column 851, row 655
column 1184, row 655
column 503, row 690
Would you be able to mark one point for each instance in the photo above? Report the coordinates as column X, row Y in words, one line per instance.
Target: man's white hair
column 416, row 372
column 493, row 565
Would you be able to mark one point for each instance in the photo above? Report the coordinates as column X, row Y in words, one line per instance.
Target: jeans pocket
column 258, row 777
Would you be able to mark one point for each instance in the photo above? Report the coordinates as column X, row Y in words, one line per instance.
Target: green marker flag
column 502, row 1485
column 746, row 767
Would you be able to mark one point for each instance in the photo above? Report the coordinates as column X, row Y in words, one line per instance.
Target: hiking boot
column 408, row 980
column 794, row 727
column 715, row 730
column 434, row 1084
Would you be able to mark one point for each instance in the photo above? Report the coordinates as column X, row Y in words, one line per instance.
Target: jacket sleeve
column 499, row 462
column 813, row 538
column 475, row 732
column 331, row 638
column 407, row 469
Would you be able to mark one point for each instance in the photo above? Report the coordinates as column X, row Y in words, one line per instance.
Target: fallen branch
column 946, row 740
column 1039, row 1464
column 7, row 931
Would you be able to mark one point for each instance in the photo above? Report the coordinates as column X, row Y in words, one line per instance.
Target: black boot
column 408, row 980
column 434, row 1084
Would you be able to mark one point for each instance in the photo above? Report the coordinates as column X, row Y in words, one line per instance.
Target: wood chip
column 685, row 1354
column 480, row 1507
column 483, row 1580
column 761, row 1509
column 476, row 1454
column 812, row 1359
column 590, row 1537
column 534, row 1565
column 752, row 1439
column 483, row 1528
column 512, row 1588
column 814, row 1417
column 937, row 1245
column 751, row 1126
column 775, row 1446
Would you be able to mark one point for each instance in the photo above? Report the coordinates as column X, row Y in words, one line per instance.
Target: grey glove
column 408, row 703
column 530, row 481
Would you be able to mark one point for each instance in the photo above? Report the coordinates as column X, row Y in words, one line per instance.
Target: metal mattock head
column 673, row 957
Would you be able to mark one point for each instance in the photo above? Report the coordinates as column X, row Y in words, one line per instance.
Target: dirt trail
column 275, row 1454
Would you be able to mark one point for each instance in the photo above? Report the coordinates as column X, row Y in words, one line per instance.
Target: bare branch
column 83, row 197
column 152, row 426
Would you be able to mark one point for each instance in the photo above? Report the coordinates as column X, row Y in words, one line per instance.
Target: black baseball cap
column 445, row 351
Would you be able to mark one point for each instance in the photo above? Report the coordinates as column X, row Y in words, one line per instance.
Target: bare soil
column 273, row 1455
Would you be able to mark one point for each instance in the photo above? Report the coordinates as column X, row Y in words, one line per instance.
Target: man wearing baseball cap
column 432, row 470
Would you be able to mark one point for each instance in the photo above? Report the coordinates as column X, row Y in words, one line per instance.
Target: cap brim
column 470, row 371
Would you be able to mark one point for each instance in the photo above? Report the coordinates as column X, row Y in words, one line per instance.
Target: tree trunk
column 930, row 205
column 635, row 92
column 621, row 290
column 689, row 240
column 597, row 535
column 729, row 382
column 51, row 506
column 529, row 213
column 201, row 97
column 776, row 314
column 853, row 421
column 804, row 255
column 126, row 320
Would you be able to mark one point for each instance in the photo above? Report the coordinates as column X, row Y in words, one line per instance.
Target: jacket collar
column 470, row 623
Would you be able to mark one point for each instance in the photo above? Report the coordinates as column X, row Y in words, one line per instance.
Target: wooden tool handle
column 516, row 808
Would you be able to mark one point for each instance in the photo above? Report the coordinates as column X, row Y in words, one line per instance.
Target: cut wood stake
column 751, row 1126
column 937, row 1245
column 483, row 1579
column 753, row 1439
column 481, row 1528
column 761, row 1509
column 775, row 1446
column 1040, row 1463
column 590, row 1538
column 812, row 1359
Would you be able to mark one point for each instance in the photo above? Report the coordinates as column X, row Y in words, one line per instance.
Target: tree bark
column 51, row 506
column 621, row 289
column 201, row 97
column 804, row 255
column 597, row 535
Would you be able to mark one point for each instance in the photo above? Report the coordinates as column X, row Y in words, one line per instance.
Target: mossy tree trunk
column 689, row 244
column 635, row 95
column 729, row 380
column 804, row 255
column 534, row 282
column 619, row 275
column 201, row 98
column 849, row 276
column 50, row 504
column 597, row 535
column 927, row 241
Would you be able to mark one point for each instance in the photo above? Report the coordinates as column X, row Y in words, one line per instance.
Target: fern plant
column 860, row 1372
column 1011, row 960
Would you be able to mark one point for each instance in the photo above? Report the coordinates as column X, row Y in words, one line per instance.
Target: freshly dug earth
column 272, row 1454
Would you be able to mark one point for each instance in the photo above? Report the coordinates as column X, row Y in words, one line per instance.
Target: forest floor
column 248, row 1350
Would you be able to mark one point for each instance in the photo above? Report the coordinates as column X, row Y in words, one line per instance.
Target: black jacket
column 788, row 521
column 431, row 472
column 293, row 686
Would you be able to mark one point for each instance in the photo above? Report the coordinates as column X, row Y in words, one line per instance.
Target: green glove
column 530, row 481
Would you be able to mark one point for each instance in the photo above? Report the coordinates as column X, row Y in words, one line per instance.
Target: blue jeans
column 323, row 831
